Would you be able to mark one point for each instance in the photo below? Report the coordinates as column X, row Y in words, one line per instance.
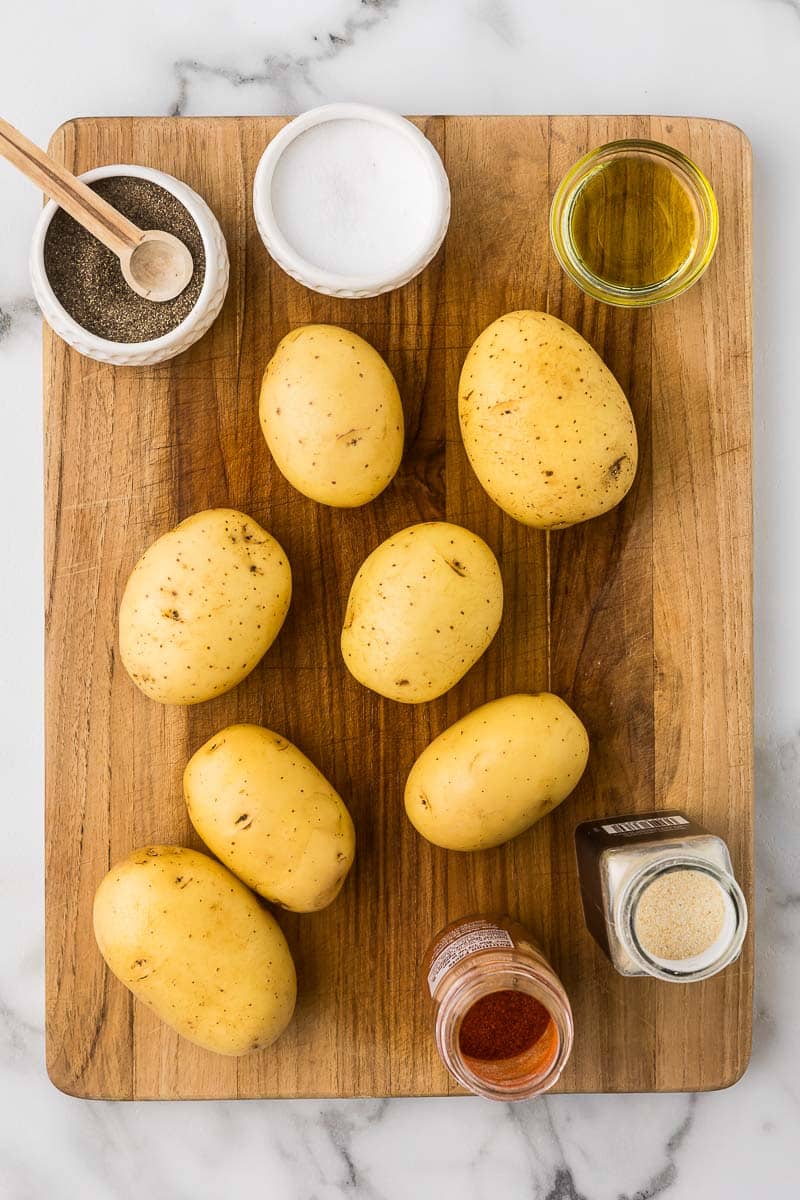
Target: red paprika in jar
column 502, row 1023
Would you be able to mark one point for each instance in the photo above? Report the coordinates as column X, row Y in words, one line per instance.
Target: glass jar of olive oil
column 634, row 222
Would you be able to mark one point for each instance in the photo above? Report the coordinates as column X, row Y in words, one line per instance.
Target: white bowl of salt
column 351, row 200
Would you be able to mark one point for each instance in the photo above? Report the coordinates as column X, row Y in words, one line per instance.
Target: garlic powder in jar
column 659, row 895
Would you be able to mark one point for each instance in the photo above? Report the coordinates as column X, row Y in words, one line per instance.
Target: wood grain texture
column 641, row 619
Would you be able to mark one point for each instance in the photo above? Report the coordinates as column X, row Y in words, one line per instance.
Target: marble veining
column 285, row 75
column 736, row 61
column 498, row 16
column 14, row 311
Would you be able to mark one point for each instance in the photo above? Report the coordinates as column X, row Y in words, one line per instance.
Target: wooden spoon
column 154, row 264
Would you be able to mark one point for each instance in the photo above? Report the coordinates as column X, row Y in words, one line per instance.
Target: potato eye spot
column 455, row 565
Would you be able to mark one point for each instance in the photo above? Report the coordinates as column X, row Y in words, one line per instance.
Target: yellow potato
column 266, row 811
column 423, row 608
column 545, row 424
column 331, row 413
column 496, row 772
column 202, row 606
column 191, row 942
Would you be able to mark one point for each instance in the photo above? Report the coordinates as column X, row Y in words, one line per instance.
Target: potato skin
column 191, row 942
column 423, row 608
column 266, row 811
column 202, row 606
column 497, row 771
column 545, row 424
column 332, row 417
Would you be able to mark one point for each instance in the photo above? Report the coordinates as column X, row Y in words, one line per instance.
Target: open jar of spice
column 659, row 895
column 503, row 1022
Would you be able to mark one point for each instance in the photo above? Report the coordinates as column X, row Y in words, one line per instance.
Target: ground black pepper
column 87, row 279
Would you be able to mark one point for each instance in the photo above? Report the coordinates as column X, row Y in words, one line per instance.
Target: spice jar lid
column 351, row 200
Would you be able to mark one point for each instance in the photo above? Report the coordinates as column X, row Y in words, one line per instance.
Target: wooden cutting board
column 641, row 620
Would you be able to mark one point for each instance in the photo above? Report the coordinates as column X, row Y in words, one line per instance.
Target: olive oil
column 633, row 223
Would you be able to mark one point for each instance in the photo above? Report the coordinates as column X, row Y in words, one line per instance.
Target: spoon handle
column 95, row 214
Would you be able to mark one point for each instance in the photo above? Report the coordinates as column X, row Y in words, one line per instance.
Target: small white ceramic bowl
column 202, row 316
column 362, row 283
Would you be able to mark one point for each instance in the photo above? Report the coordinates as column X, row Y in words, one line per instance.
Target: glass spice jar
column 502, row 1019
column 659, row 895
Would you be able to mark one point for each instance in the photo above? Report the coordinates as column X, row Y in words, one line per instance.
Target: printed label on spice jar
column 463, row 941
column 645, row 825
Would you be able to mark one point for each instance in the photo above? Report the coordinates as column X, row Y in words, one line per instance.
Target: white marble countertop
column 735, row 59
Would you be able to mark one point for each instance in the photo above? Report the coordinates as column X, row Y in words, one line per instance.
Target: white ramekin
column 311, row 275
column 199, row 320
